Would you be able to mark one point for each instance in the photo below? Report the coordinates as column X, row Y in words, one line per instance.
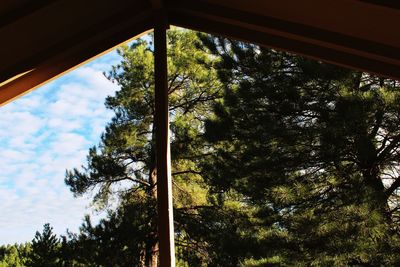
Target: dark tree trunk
column 152, row 240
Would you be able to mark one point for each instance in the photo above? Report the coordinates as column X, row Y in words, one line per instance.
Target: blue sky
column 41, row 135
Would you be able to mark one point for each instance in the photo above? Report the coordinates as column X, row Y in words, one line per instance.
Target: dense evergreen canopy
column 277, row 161
column 45, row 249
column 315, row 148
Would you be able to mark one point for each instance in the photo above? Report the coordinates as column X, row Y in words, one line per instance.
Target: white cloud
column 41, row 135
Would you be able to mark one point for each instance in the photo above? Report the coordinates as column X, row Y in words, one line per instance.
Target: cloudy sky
column 41, row 135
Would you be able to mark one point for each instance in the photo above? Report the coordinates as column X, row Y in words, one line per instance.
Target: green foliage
column 314, row 147
column 276, row 161
column 117, row 240
column 45, row 249
column 122, row 166
column 14, row 255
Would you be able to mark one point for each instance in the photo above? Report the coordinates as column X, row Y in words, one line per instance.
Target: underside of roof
column 41, row 39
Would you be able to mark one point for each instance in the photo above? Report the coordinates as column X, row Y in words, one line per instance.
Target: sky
column 41, row 135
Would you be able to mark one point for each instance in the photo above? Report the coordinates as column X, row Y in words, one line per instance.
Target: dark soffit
column 44, row 38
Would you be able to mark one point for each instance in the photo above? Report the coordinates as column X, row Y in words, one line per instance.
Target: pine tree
column 10, row 256
column 123, row 167
column 312, row 147
column 14, row 255
column 45, row 249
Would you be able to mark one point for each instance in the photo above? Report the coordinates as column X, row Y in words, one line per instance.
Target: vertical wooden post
column 163, row 157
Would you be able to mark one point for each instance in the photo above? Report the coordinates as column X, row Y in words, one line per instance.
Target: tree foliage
column 123, row 164
column 276, row 160
column 315, row 148
column 14, row 255
column 45, row 249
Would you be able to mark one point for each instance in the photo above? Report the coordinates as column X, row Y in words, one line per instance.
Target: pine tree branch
column 171, row 82
column 392, row 187
column 378, row 123
column 140, row 181
column 116, row 180
column 389, row 148
column 184, row 172
column 172, row 89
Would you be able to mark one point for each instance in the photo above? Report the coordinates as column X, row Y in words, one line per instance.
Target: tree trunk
column 142, row 259
column 370, row 169
column 154, row 255
column 152, row 241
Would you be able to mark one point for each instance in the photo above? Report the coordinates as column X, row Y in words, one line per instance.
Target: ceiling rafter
column 157, row 4
column 40, row 32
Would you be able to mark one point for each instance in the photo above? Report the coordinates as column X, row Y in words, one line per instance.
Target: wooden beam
column 74, row 56
column 18, row 9
column 164, row 182
column 157, row 4
column 262, row 23
column 384, row 3
column 371, row 57
column 28, row 41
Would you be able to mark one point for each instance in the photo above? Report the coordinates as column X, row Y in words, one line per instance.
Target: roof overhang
column 42, row 39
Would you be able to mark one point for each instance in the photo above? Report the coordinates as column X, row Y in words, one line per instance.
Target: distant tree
column 24, row 250
column 116, row 240
column 9, row 256
column 45, row 249
column 14, row 255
